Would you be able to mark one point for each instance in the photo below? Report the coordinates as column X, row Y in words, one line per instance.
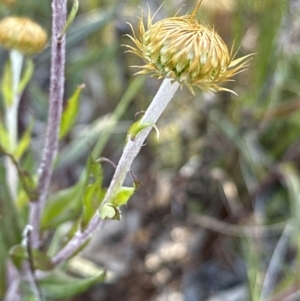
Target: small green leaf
column 4, row 139
column 63, row 206
column 26, row 76
column 26, row 180
column 11, row 223
column 137, row 127
column 24, row 142
column 59, row 285
column 123, row 196
column 71, row 17
column 109, row 211
column 40, row 260
column 93, row 194
column 70, row 112
column 28, row 184
column 6, row 85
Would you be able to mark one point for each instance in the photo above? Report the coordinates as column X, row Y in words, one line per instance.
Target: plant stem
column 54, row 116
column 132, row 148
column 157, row 106
column 11, row 117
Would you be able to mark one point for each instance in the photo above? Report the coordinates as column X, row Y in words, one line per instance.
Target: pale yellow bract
column 186, row 51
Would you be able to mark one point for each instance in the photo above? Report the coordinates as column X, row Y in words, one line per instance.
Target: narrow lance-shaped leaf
column 70, row 112
column 93, row 194
column 26, row 76
column 4, row 139
column 26, row 180
column 6, row 84
column 24, row 142
column 63, row 206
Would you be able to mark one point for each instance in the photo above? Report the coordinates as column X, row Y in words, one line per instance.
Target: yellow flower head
column 186, row 51
column 22, row 34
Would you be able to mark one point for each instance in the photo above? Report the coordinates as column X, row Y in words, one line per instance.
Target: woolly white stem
column 11, row 119
column 157, row 106
column 132, row 148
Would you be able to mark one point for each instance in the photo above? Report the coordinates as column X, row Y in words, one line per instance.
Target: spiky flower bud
column 186, row 51
column 22, row 34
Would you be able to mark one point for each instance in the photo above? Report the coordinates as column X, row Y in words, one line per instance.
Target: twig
column 157, row 106
column 54, row 115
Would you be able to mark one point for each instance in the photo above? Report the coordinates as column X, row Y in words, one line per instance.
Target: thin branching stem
column 132, row 148
column 54, row 116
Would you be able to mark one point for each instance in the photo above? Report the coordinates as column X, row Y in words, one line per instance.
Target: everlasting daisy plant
column 183, row 52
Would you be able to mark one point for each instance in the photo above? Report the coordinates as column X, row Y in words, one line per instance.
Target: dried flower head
column 22, row 34
column 188, row 52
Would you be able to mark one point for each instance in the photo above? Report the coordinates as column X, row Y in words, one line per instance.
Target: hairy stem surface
column 54, row 115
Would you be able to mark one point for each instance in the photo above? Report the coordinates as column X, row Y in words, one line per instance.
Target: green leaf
column 138, row 127
column 11, row 224
column 26, row 180
column 4, row 139
column 6, row 85
column 71, row 17
column 24, row 143
column 28, row 184
column 60, row 285
column 26, row 76
column 123, row 196
column 63, row 206
column 40, row 260
column 93, row 194
column 70, row 112
column 109, row 211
